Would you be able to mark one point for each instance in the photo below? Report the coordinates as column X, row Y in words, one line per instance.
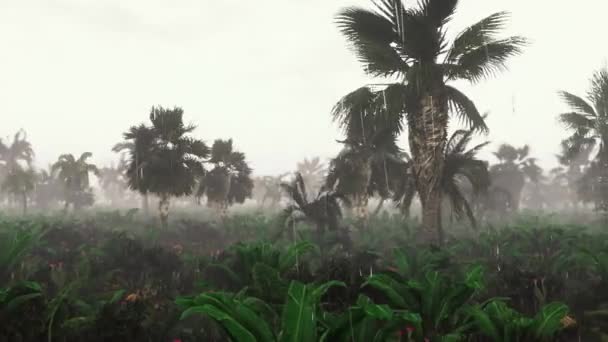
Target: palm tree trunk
column 145, row 204
column 360, row 202
column 24, row 202
column 378, row 207
column 163, row 210
column 602, row 205
column 428, row 134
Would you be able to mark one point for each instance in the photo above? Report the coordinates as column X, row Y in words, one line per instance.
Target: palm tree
column 47, row 188
column 464, row 177
column 588, row 123
column 230, row 179
column 74, row 174
column 268, row 188
column 512, row 170
column 20, row 183
column 410, row 44
column 370, row 149
column 111, row 180
column 174, row 162
column 139, row 147
column 323, row 212
column 14, row 155
column 313, row 172
column 19, row 150
column 569, row 172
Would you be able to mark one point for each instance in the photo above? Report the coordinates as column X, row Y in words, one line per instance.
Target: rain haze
column 77, row 74
column 170, row 170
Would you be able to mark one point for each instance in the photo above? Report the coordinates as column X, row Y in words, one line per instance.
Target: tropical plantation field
column 182, row 240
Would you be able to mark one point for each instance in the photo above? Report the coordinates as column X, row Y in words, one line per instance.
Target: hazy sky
column 77, row 73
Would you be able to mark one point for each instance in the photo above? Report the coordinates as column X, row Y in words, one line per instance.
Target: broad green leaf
column 16, row 302
column 299, row 321
column 235, row 329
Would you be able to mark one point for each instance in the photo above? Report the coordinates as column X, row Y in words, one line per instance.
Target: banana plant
column 15, row 242
column 497, row 321
column 21, row 312
column 249, row 319
column 261, row 267
column 366, row 321
column 440, row 300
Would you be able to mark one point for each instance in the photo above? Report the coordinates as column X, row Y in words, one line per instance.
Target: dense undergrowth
column 116, row 277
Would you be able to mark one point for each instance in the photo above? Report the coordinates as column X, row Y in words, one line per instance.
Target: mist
column 285, row 170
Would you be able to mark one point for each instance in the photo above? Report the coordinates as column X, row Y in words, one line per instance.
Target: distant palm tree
column 15, row 156
column 313, row 172
column 513, row 169
column 175, row 160
column 230, row 179
column 323, row 212
column 20, row 183
column 112, row 181
column 47, row 188
column 411, row 44
column 19, row 150
column 139, row 145
column 268, row 188
column 74, row 174
column 571, row 169
column 588, row 123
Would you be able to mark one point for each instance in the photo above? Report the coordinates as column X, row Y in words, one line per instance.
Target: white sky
column 77, row 73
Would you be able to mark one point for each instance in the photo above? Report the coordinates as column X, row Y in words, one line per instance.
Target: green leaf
column 292, row 256
column 547, row 321
column 235, row 329
column 320, row 290
column 390, row 287
column 16, row 302
column 117, row 296
column 299, row 321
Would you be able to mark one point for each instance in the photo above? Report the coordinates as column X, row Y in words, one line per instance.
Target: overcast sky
column 77, row 73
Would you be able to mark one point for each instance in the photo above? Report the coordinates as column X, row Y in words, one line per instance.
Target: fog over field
column 303, row 171
column 77, row 73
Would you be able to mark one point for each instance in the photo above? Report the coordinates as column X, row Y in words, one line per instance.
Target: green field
column 114, row 276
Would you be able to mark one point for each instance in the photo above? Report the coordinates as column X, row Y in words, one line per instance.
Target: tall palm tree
column 139, row 147
column 14, row 156
column 19, row 150
column 230, row 179
column 588, row 123
column 20, row 183
column 74, row 174
column 175, row 160
column 410, row 44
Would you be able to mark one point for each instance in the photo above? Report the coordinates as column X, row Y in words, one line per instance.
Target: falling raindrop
column 384, row 95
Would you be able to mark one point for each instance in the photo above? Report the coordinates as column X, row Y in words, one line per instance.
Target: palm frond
column 577, row 103
column 476, row 35
column 371, row 35
column 486, row 60
column 577, row 121
column 465, row 109
column 439, row 12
